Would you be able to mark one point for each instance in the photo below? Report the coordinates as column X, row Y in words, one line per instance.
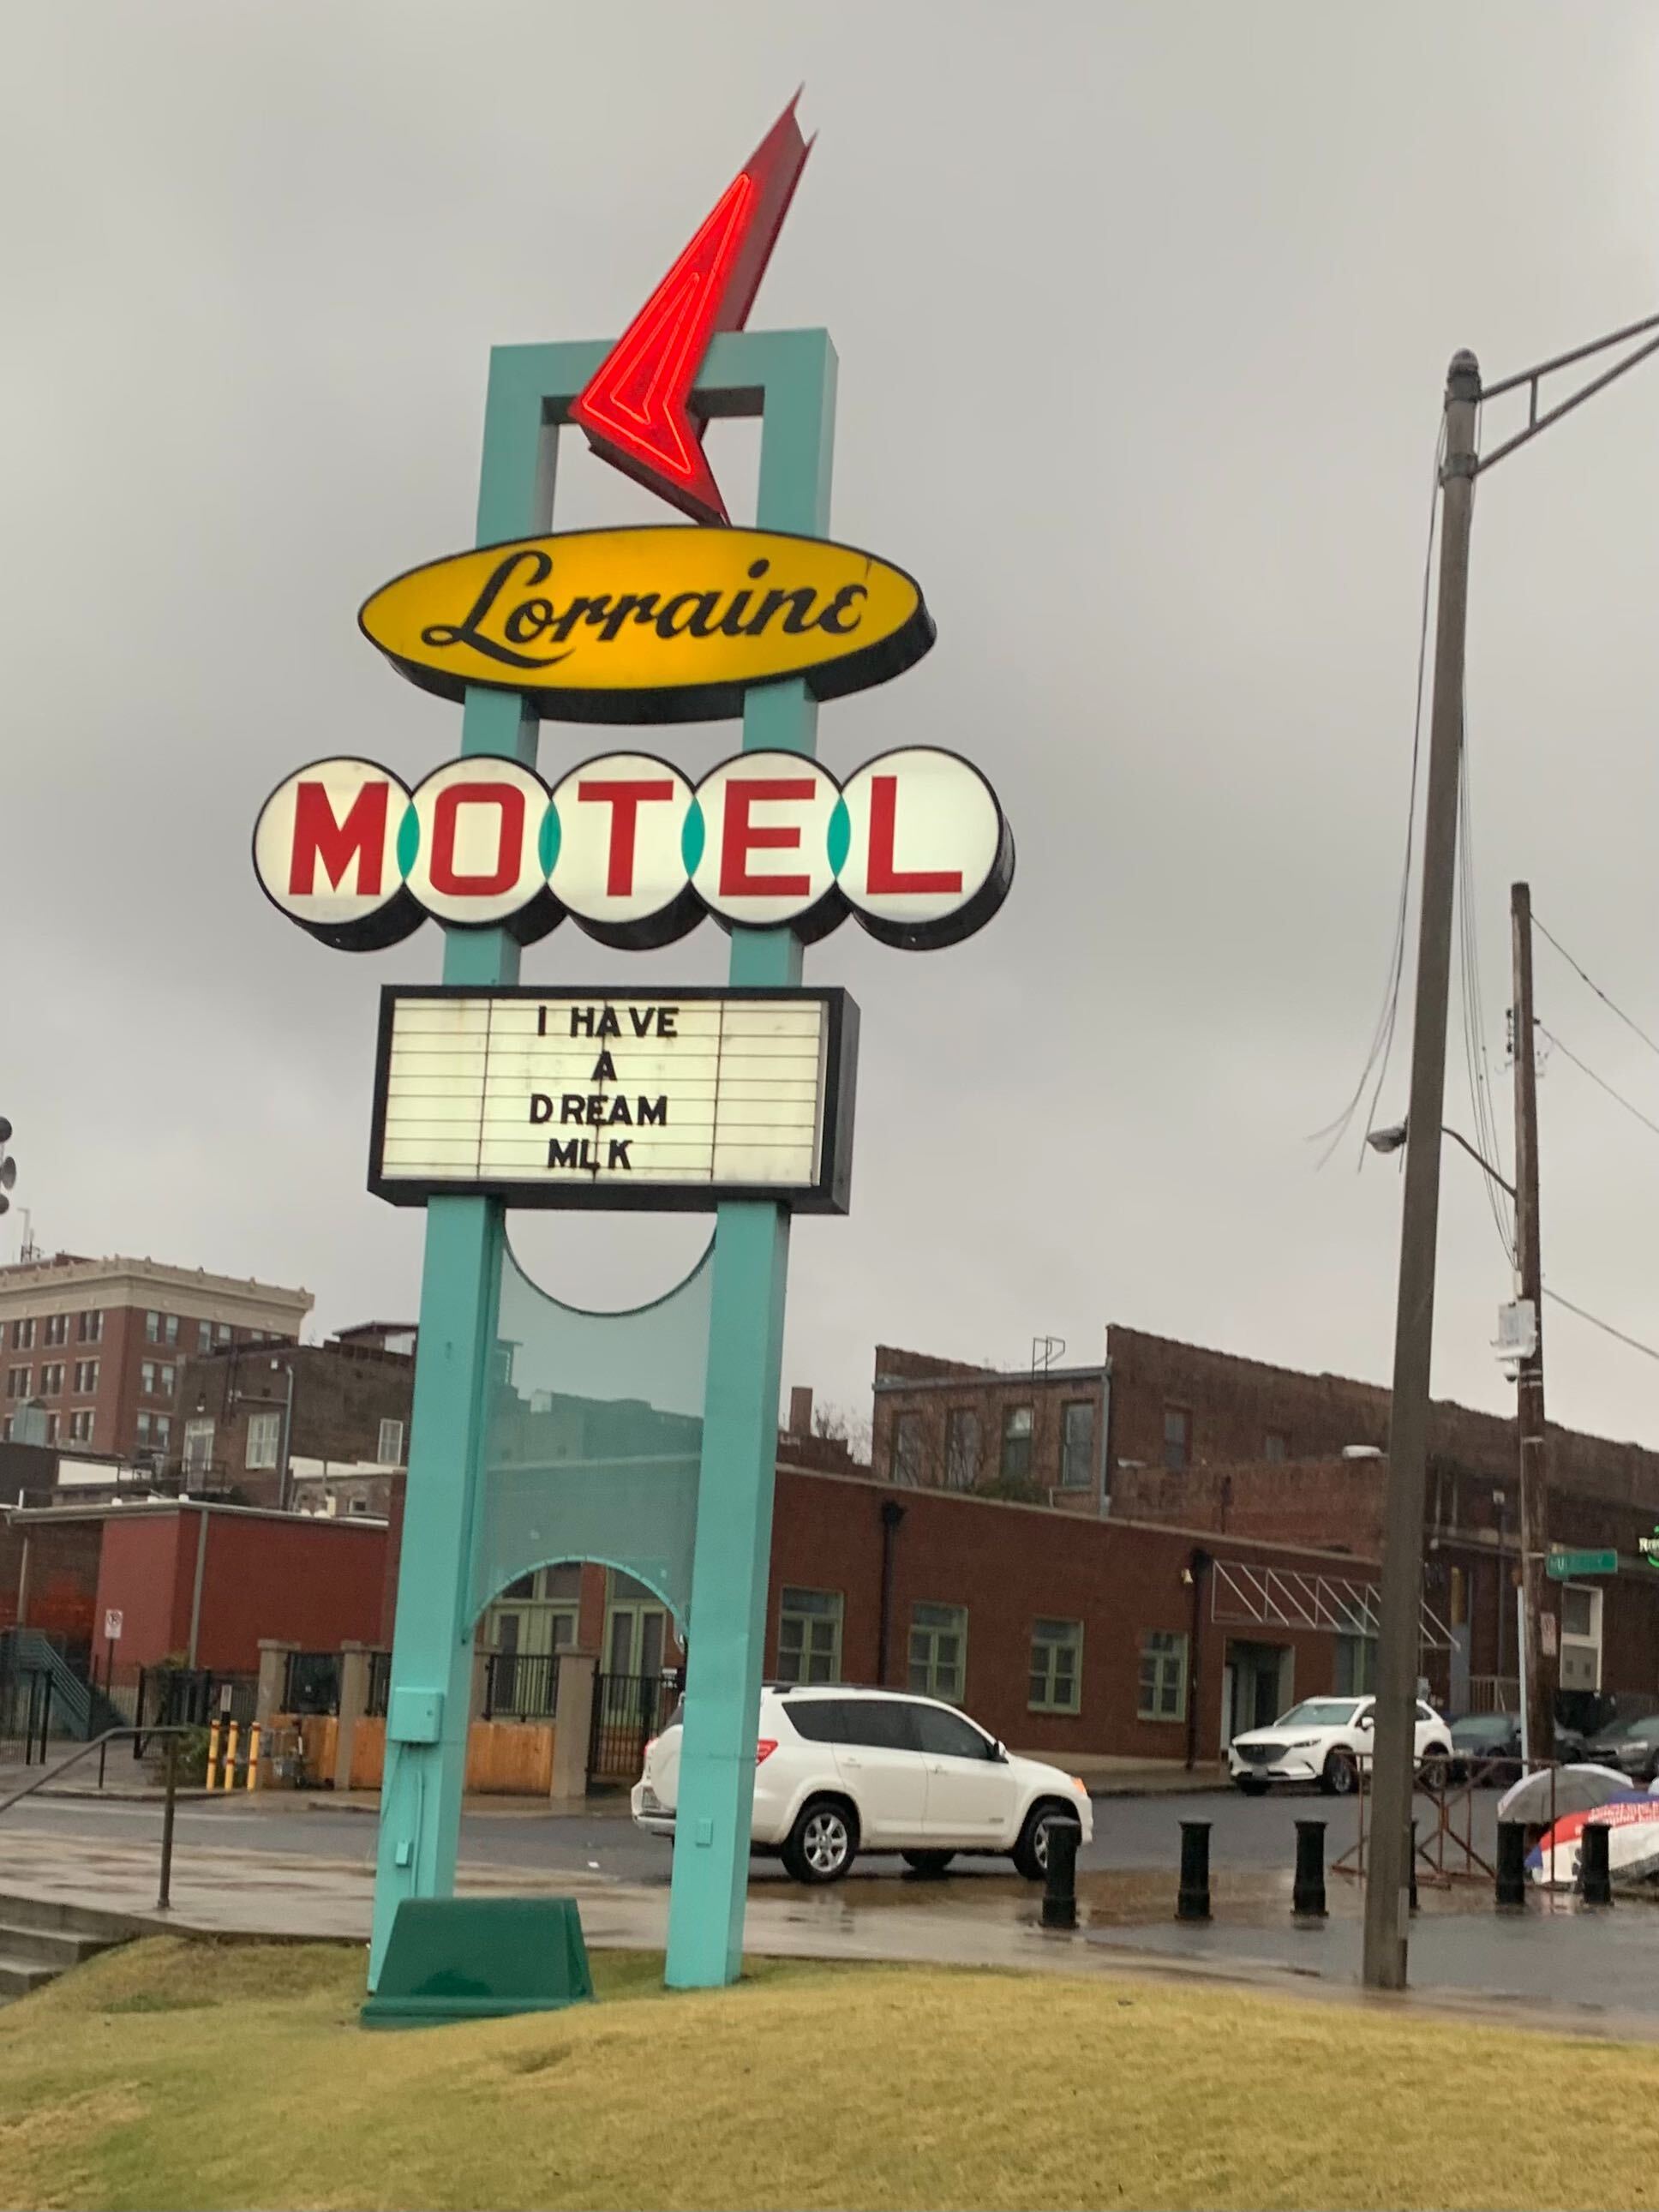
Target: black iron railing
column 521, row 1685
column 628, row 1709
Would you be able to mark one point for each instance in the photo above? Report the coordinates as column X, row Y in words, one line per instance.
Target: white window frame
column 927, row 1676
column 393, row 1456
column 264, row 1436
column 80, row 1425
column 196, row 1433
column 1162, row 1649
column 1045, row 1642
column 806, row 1657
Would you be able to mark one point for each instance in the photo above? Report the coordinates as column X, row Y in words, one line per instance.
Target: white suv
column 840, row 1770
column 1328, row 1741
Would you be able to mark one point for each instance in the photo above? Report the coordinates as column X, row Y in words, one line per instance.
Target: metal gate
column 628, row 1709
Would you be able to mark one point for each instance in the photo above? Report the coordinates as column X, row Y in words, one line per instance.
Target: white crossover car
column 1328, row 1741
column 840, row 1770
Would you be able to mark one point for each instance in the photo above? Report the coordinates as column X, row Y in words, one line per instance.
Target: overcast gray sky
column 1143, row 316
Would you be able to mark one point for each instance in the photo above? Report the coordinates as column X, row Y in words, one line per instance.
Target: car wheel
column 1030, row 1853
column 1340, row 1775
column 1436, row 1772
column 1252, row 1785
column 821, row 1843
column 927, row 1862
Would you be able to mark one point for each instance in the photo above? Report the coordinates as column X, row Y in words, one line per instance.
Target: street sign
column 112, row 1626
column 1649, row 1547
column 667, row 1101
column 1567, row 1566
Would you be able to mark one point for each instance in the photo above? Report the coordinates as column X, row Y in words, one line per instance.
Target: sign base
column 480, row 1957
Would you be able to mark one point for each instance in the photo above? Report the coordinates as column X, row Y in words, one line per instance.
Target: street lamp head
column 1387, row 1140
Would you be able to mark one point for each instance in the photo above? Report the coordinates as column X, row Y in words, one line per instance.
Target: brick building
column 97, row 1345
column 1221, row 1446
column 318, row 1427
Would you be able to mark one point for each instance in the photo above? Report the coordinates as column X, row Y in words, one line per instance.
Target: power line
column 1382, row 1043
column 1600, row 1080
column 1611, row 1004
column 1595, row 1321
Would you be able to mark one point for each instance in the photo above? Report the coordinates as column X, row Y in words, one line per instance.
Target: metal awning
column 1243, row 1596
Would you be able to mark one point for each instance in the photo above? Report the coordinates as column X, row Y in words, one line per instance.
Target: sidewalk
column 1562, row 1970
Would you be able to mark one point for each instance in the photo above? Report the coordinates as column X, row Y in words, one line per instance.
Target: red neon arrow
column 636, row 408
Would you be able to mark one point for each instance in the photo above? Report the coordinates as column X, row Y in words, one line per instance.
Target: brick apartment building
column 1222, row 1446
column 93, row 1350
column 318, row 1428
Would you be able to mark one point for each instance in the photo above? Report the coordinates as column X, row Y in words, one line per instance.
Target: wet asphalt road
column 1257, row 1835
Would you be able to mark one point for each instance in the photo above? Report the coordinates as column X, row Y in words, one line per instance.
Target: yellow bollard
column 230, row 1758
column 213, row 1756
column 253, row 1756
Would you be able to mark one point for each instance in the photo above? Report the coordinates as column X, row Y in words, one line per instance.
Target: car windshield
column 1320, row 1712
column 1641, row 1725
column 1482, row 1728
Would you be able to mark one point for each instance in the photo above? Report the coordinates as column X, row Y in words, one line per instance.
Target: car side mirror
column 1365, row 1721
column 999, row 1751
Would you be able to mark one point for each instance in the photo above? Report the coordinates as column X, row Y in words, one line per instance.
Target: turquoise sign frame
column 786, row 379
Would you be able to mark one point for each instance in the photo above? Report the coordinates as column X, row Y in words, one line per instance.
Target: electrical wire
column 1381, row 1044
column 1595, row 1321
column 1611, row 1004
column 1600, row 1080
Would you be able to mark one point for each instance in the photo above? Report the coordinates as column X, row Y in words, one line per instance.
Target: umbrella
column 1632, row 1824
column 1577, row 1789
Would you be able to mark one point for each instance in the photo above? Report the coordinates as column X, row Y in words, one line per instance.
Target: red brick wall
column 63, row 1576
column 146, row 1573
column 1010, row 1566
column 1332, row 1504
column 314, row 1582
column 990, row 1396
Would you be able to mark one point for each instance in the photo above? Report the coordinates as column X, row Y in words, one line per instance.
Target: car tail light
column 764, row 1748
column 650, row 1746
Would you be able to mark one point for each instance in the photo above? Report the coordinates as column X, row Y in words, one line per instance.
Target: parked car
column 1487, row 1745
column 1632, row 1745
column 841, row 1771
column 1328, row 1740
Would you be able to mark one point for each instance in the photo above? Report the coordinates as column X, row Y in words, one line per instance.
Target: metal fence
column 192, row 1696
column 379, row 1684
column 311, row 1683
column 521, row 1685
column 628, row 1709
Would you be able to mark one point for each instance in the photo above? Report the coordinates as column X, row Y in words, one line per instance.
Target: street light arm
column 1530, row 377
column 1481, row 1161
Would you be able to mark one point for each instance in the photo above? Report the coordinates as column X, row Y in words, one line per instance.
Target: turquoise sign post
column 540, row 1434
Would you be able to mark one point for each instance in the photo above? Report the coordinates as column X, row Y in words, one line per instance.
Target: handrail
column 85, row 1750
column 172, row 1731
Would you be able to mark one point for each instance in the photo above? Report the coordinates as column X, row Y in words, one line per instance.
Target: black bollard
column 1512, row 1892
column 1308, row 1896
column 1411, row 1861
column 1060, row 1879
column 1595, row 1881
column 1194, row 1901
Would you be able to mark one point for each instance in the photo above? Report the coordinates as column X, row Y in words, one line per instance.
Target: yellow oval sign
column 664, row 623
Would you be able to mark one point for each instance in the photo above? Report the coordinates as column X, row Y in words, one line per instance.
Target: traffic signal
column 8, row 1165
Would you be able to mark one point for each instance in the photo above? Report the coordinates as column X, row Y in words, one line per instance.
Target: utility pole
column 1537, row 1671
column 1388, row 1884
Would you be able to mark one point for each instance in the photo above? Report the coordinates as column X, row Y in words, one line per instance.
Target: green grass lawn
column 183, row 2075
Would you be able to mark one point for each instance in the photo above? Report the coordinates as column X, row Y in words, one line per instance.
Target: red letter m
column 318, row 836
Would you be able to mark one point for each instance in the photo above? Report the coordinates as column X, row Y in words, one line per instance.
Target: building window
column 359, row 1503
column 147, row 1378
column 89, row 1327
column 143, row 1428
column 1581, row 1637
column 52, row 1428
column 1275, row 1444
column 1356, row 1666
column 80, row 1425
column 56, row 1329
column 1163, row 1675
column 1177, row 1437
column 52, row 1378
column 939, row 1651
column 169, row 1329
column 163, row 1429
column 22, row 1335
column 199, row 1447
column 166, row 1380
column 962, row 1447
column 389, row 1449
column 204, row 1336
column 223, row 1333
column 1056, row 1666
column 1077, row 1449
column 85, row 1377
column 906, row 1465
column 1016, row 1443
column 152, row 1328
column 17, row 1382
column 264, row 1432
column 809, row 1635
